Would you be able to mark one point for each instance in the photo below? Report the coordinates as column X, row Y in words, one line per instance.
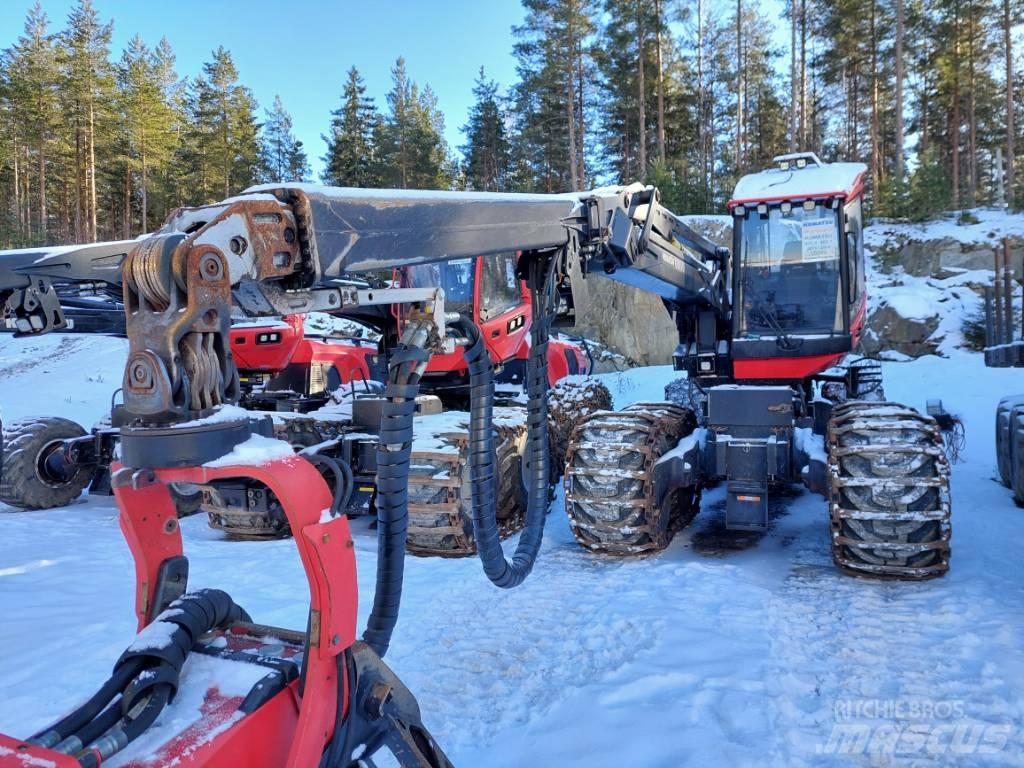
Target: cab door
column 502, row 306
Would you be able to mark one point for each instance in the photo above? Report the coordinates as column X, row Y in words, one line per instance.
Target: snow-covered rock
column 925, row 280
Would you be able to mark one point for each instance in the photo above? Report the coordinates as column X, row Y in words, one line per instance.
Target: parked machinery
column 773, row 392
column 756, row 341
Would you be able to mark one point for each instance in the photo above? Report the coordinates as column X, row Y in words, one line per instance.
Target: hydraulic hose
column 145, row 679
column 343, row 481
column 394, row 449
column 498, row 569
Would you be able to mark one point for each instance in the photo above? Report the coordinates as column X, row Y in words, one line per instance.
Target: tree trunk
column 739, row 86
column 145, row 195
column 80, row 213
column 1008, row 46
column 17, row 192
column 876, row 160
column 91, row 171
column 126, row 214
column 581, row 132
column 702, row 128
column 803, row 75
column 641, row 46
column 954, row 128
column 43, row 224
column 570, row 100
column 972, row 112
column 792, row 77
column 899, row 92
column 661, row 84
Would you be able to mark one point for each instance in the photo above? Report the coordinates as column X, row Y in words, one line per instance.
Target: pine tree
column 223, row 135
column 413, row 152
column 149, row 123
column 88, row 84
column 284, row 158
column 351, row 159
column 32, row 80
column 487, row 154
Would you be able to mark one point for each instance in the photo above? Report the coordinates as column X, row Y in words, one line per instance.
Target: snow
column 26, row 760
column 951, row 299
column 909, row 303
column 811, row 181
column 414, row 195
column 992, row 225
column 256, row 450
column 745, row 658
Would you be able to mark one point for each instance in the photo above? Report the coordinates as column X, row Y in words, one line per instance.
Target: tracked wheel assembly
column 610, row 494
column 440, row 511
column 888, row 492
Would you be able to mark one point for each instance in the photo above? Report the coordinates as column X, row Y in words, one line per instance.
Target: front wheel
column 35, row 474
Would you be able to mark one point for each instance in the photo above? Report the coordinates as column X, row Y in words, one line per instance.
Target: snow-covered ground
column 765, row 656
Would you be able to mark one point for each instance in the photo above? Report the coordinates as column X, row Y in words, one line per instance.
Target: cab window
column 855, row 249
column 499, row 291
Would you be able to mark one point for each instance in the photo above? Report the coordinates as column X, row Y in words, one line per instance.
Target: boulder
column 946, row 256
column 891, row 327
column 635, row 323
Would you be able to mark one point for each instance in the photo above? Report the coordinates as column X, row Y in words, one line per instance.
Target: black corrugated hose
column 394, row 449
column 500, row 571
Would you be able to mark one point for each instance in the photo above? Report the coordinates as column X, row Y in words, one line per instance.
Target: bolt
column 336, row 639
column 170, row 525
column 326, row 538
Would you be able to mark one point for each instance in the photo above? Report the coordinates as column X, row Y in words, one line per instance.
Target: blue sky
column 301, row 49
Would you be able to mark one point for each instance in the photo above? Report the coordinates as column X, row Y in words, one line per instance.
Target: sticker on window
column 819, row 240
column 510, row 273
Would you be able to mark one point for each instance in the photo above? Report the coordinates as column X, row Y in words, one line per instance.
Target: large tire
column 30, row 482
column 609, row 480
column 1003, row 443
column 684, row 393
column 888, row 492
column 570, row 401
column 440, row 511
column 188, row 498
column 1016, row 450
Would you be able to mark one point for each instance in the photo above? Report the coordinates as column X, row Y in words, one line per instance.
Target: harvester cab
column 489, row 290
column 798, row 282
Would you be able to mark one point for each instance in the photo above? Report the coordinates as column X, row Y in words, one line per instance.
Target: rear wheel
column 1004, row 452
column 35, row 476
column 889, row 492
column 609, row 480
column 440, row 511
column 1016, row 451
column 570, row 401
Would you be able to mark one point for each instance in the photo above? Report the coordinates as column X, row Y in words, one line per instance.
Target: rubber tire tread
column 20, row 484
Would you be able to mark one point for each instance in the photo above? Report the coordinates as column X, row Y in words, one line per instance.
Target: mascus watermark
column 912, row 726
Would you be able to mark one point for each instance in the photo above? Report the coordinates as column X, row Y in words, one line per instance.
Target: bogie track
column 609, row 479
column 888, row 492
column 440, row 511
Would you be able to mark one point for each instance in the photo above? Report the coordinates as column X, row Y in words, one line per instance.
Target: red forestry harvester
column 774, row 392
column 755, row 342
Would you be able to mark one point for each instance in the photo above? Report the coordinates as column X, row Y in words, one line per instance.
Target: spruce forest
column 99, row 144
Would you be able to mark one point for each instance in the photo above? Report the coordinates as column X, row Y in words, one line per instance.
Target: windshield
column 789, row 279
column 455, row 277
